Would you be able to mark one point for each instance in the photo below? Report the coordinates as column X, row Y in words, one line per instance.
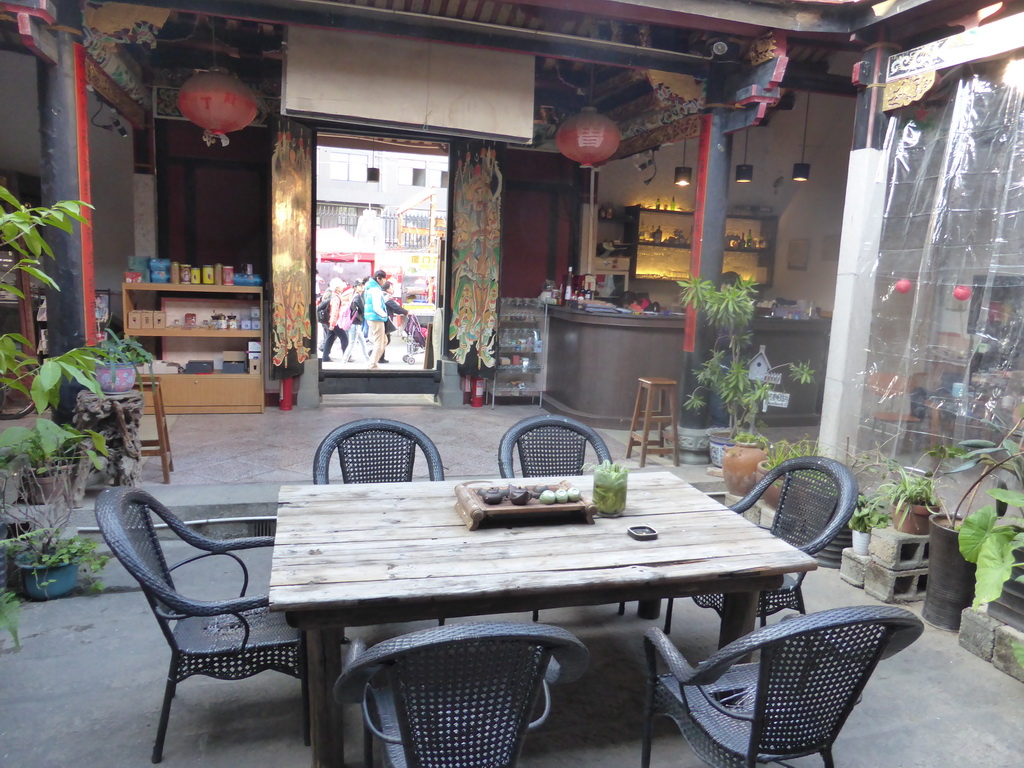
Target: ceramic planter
column 718, row 441
column 861, row 542
column 47, row 582
column 116, row 378
column 950, row 577
column 913, row 519
column 773, row 492
column 739, row 467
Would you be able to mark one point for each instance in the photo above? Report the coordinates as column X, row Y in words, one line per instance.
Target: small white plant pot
column 860, row 542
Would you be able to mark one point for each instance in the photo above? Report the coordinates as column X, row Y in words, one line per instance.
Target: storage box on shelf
column 662, row 241
column 522, row 350
column 216, row 392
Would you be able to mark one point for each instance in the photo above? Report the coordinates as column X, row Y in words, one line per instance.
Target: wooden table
column 355, row 555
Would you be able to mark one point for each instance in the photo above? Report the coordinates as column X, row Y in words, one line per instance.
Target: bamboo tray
column 474, row 511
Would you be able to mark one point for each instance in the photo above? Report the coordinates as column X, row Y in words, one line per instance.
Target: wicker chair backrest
column 549, row 446
column 818, row 495
column 375, row 451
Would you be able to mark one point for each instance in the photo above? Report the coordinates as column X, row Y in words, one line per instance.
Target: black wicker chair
column 375, row 451
column 816, row 502
column 792, row 702
column 459, row 696
column 549, row 446
column 226, row 639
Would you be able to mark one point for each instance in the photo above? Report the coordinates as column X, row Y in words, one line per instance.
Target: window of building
column 347, row 167
column 413, row 174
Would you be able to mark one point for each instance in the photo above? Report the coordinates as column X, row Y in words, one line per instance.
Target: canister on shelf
column 228, row 273
column 186, row 273
column 232, row 322
column 175, row 272
column 218, row 274
column 207, row 274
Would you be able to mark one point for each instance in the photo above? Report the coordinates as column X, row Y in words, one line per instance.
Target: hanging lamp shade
column 588, row 137
column 217, row 102
column 684, row 175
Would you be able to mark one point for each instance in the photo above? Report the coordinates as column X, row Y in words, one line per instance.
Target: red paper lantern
column 961, row 293
column 588, row 137
column 903, row 286
column 218, row 102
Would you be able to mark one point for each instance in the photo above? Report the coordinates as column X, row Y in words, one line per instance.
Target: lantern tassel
column 209, row 137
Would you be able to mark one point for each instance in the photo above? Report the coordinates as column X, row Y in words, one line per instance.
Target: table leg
column 324, row 663
column 648, row 609
column 738, row 616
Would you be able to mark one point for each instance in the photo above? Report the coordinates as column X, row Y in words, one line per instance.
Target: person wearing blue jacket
column 376, row 314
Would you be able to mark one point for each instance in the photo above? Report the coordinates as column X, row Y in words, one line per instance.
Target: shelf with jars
column 522, row 350
column 663, row 240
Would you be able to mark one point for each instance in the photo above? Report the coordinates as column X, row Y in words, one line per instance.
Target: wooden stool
column 654, row 415
column 161, row 446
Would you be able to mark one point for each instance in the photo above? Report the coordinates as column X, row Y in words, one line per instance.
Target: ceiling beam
column 326, row 14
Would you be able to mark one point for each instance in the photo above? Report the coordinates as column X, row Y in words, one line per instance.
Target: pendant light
column 745, row 172
column 373, row 172
column 802, row 170
column 684, row 173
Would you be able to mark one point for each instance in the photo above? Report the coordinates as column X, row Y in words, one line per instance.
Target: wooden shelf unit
column 209, row 392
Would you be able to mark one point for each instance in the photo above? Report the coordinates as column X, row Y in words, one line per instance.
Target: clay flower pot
column 913, row 519
column 773, row 492
column 739, row 467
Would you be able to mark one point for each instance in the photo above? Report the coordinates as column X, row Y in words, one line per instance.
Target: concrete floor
column 86, row 686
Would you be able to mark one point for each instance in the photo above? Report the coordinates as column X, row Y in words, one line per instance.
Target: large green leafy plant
column 729, row 309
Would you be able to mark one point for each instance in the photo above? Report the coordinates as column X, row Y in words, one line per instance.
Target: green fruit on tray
column 574, row 494
column 547, row 497
column 561, row 496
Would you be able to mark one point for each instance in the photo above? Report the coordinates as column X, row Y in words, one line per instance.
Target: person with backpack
column 338, row 317
column 323, row 314
column 355, row 331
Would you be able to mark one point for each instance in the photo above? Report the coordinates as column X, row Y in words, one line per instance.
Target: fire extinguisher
column 478, row 392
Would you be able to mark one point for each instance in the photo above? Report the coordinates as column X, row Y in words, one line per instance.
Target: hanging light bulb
column 745, row 172
column 684, row 173
column 802, row 170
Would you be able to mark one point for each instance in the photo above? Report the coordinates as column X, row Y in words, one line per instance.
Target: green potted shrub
column 867, row 515
column 729, row 310
column 775, row 454
column 120, row 358
column 912, row 496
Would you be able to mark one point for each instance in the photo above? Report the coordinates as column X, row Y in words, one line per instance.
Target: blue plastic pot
column 45, row 583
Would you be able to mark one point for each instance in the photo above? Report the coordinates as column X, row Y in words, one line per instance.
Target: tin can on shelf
column 208, row 274
column 186, row 273
column 218, row 274
column 228, row 274
column 175, row 272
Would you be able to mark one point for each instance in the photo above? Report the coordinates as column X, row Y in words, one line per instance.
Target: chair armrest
column 185, row 607
column 657, row 644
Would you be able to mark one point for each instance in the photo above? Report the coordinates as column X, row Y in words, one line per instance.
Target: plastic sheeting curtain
column 946, row 349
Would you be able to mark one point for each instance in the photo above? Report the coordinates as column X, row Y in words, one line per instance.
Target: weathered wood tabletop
column 352, row 555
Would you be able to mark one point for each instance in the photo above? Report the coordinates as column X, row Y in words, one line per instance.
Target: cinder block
column 853, row 567
column 1002, row 652
column 978, row 632
column 889, row 586
column 898, row 551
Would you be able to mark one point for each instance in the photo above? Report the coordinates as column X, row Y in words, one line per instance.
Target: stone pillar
column 64, row 168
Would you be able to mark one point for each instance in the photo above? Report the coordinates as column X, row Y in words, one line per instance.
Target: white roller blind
column 425, row 86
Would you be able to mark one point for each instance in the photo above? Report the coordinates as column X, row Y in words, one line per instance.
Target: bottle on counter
column 567, row 295
column 657, row 204
column 656, row 237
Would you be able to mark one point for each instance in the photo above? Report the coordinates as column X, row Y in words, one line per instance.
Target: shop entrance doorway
column 381, row 204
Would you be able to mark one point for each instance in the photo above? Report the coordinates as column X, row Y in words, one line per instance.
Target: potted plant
column 867, row 515
column 912, row 497
column 729, row 310
column 121, row 356
column 740, row 461
column 10, row 613
column 50, row 561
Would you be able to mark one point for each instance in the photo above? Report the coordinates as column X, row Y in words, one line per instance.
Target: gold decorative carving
column 906, row 90
column 763, row 49
column 113, row 94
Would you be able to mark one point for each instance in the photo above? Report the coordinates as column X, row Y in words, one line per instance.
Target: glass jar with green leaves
column 610, row 481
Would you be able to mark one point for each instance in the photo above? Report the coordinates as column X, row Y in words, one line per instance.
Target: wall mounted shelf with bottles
column 664, row 240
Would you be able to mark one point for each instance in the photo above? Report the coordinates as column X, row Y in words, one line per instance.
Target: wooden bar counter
column 594, row 360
